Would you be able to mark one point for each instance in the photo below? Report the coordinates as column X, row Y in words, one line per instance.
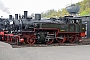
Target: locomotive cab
column 75, row 24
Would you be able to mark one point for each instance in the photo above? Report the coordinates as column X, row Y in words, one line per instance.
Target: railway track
column 84, row 42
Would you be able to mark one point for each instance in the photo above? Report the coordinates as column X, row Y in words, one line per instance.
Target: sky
column 12, row 7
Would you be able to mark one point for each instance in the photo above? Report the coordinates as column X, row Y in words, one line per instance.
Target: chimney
column 19, row 16
column 16, row 16
column 10, row 17
column 37, row 16
column 25, row 14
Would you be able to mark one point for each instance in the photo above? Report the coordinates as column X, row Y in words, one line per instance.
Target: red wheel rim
column 50, row 41
column 61, row 40
column 72, row 38
column 31, row 41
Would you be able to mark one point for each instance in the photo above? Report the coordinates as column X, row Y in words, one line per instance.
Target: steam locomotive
column 28, row 30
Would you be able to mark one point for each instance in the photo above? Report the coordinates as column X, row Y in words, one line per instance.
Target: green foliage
column 85, row 12
column 49, row 13
column 54, row 13
column 84, row 7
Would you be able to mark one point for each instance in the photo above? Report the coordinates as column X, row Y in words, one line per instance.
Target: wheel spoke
column 31, row 41
column 49, row 41
column 15, row 40
column 61, row 40
column 72, row 38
